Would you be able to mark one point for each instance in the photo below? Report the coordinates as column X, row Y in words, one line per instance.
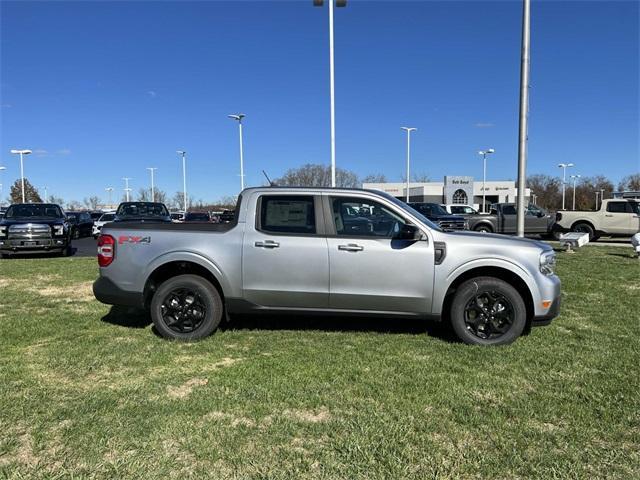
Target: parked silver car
column 330, row 251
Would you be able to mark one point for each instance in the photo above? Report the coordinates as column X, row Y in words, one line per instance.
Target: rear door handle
column 608, row 215
column 352, row 247
column 267, row 244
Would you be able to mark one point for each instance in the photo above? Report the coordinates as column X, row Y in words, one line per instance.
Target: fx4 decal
column 135, row 240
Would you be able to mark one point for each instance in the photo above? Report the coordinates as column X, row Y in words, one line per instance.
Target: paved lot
column 85, row 247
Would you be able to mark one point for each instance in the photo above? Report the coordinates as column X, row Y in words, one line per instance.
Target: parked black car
column 197, row 217
column 440, row 217
column 142, row 212
column 82, row 224
column 34, row 227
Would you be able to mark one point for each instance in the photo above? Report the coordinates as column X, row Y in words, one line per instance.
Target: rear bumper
column 108, row 292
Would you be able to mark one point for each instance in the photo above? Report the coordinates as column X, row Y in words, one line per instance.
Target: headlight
column 547, row 262
column 466, row 224
column 3, row 231
column 58, row 229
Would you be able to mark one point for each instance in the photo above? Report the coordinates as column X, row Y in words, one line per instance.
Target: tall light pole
column 21, row 153
column 184, row 178
column 564, row 167
column 597, row 193
column 239, row 118
column 484, row 154
column 45, row 195
column 339, row 3
column 126, row 186
column 109, row 190
column 408, row 130
column 153, row 196
column 524, row 113
column 1, row 169
column 575, row 179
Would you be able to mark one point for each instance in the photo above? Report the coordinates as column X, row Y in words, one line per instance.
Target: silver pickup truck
column 327, row 251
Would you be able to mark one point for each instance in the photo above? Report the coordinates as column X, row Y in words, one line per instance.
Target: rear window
column 287, row 214
column 142, row 210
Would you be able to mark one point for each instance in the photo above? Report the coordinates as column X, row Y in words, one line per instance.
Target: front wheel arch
column 483, row 227
column 501, row 273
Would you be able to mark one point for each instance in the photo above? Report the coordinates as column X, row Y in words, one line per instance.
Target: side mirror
column 408, row 232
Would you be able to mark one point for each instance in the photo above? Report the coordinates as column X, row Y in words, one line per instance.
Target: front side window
column 355, row 217
column 288, row 214
column 509, row 210
column 462, row 210
column 619, row 207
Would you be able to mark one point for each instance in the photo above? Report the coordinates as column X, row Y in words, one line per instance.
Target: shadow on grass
column 624, row 255
column 332, row 323
column 129, row 317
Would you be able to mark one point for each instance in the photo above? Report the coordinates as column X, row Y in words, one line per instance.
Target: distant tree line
column 546, row 188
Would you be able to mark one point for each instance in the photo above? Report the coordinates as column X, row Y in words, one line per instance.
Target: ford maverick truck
column 332, row 252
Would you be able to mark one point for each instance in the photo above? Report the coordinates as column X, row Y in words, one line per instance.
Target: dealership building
column 462, row 190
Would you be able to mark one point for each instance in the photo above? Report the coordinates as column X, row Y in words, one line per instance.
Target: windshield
column 34, row 211
column 635, row 206
column 142, row 209
column 411, row 210
column 107, row 217
column 429, row 208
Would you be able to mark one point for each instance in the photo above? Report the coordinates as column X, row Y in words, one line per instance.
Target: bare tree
column 417, row 177
column 56, row 200
column 91, row 202
column 547, row 189
column 630, row 182
column 375, row 178
column 314, row 175
column 74, row 205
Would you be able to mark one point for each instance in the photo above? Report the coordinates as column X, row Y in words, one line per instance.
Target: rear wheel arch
column 172, row 269
column 508, row 276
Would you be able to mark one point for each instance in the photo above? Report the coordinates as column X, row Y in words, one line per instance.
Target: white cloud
column 6, row 105
column 484, row 125
column 40, row 152
column 152, row 93
column 63, row 151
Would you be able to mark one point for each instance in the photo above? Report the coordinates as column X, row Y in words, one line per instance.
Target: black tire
column 66, row 251
column 585, row 228
column 471, row 306
column 171, row 312
column 483, row 228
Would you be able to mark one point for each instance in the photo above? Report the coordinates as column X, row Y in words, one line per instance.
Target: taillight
column 106, row 250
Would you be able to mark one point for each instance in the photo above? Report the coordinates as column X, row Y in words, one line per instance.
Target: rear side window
column 287, row 214
column 619, row 207
column 509, row 210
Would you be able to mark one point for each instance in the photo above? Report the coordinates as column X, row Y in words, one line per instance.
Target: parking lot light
column 184, row 178
column 109, row 190
column 564, row 167
column 408, row 130
column 1, row 169
column 575, row 179
column 484, row 154
column 239, row 117
column 21, row 153
column 152, row 170
column 126, row 186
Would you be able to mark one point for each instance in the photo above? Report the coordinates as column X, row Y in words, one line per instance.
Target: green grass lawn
column 87, row 391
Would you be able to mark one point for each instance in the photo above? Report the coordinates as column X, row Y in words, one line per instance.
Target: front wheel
column 186, row 307
column 488, row 311
column 585, row 228
column 483, row 229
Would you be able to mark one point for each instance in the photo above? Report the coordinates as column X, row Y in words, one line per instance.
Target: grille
column 452, row 225
column 29, row 231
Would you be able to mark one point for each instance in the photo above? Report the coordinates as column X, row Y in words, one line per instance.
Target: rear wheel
column 585, row 228
column 488, row 311
column 186, row 307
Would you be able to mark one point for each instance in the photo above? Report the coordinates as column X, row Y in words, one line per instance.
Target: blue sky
column 101, row 90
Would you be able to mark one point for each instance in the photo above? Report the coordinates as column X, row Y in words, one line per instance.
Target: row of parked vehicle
column 46, row 227
column 615, row 218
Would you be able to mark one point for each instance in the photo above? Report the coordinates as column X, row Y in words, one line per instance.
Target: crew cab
column 332, row 252
column 438, row 215
column 34, row 227
column 503, row 219
column 616, row 217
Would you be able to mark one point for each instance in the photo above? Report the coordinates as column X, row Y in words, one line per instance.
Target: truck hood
column 495, row 240
column 23, row 221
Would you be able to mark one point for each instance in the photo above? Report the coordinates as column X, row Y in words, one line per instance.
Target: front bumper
column 16, row 245
column 108, row 292
column 554, row 311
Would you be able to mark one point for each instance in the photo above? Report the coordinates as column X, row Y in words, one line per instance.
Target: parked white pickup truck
column 616, row 217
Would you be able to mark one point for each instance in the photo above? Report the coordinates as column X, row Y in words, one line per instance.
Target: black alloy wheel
column 488, row 315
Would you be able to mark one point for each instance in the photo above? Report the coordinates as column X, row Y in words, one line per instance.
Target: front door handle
column 352, row 247
column 267, row 244
column 608, row 215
